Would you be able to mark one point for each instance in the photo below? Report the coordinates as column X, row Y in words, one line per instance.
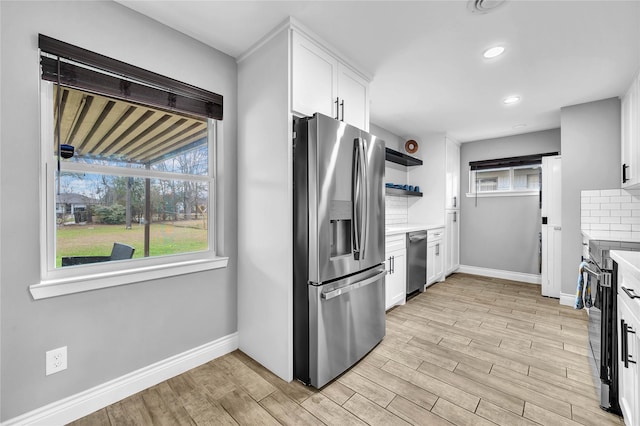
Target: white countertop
column 403, row 228
column 628, row 260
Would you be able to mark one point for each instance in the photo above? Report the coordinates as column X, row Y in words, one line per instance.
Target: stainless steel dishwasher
column 416, row 261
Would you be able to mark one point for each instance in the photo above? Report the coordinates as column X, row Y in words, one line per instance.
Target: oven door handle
column 604, row 278
column 630, row 292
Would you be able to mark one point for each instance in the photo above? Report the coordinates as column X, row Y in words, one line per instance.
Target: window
column 505, row 180
column 506, row 176
column 126, row 163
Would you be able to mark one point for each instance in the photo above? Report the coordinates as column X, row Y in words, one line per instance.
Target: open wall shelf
column 400, row 158
column 402, row 192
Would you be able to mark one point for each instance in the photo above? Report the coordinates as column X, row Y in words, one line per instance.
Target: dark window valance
column 524, row 160
column 81, row 68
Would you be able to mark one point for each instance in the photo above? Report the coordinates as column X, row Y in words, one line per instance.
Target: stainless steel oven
column 603, row 338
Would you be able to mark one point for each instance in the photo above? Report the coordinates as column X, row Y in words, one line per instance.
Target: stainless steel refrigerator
column 339, row 274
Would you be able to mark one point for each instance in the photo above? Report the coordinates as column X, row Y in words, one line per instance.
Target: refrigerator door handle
column 364, row 210
column 355, row 197
column 346, row 289
column 360, row 199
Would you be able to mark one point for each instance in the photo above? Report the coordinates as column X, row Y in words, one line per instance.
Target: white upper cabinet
column 313, row 79
column 321, row 82
column 452, row 182
column 630, row 135
column 353, row 97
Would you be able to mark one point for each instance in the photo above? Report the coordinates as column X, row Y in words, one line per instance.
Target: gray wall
column 109, row 332
column 502, row 232
column 590, row 160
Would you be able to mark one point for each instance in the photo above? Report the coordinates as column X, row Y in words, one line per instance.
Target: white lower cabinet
column 628, row 346
column 396, row 266
column 452, row 259
column 435, row 255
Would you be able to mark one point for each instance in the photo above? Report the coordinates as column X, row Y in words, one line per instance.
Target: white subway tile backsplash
column 621, row 235
column 611, row 219
column 630, row 206
column 621, row 199
column 625, row 213
column 611, row 213
column 620, row 227
column 589, row 220
column 591, row 206
column 610, row 206
column 396, row 210
column 601, row 200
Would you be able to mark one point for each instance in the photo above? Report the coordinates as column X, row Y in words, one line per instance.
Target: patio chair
column 118, row 252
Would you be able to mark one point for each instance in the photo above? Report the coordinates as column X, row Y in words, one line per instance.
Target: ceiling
column 426, row 61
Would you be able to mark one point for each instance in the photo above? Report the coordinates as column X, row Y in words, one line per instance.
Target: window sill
column 61, row 286
column 504, row 194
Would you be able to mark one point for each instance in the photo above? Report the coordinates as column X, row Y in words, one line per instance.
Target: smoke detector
column 483, row 6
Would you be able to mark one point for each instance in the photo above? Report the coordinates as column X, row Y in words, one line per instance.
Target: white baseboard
column 567, row 299
column 86, row 402
column 498, row 273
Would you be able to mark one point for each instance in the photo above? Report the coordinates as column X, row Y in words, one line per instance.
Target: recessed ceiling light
column 519, row 126
column 511, row 100
column 492, row 52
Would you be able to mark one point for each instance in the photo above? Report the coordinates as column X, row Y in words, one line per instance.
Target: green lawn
column 97, row 240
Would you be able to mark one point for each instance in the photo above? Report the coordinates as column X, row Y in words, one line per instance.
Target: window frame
column 511, row 192
column 60, row 281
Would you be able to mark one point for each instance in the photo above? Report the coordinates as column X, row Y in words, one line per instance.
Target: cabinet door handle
column 455, row 217
column 626, row 330
column 624, row 173
column 342, row 108
column 623, row 344
column 455, row 201
column 337, row 109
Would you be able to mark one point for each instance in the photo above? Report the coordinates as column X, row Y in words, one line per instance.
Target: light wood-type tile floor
column 469, row 351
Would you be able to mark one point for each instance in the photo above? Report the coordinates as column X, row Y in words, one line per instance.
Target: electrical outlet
column 56, row 360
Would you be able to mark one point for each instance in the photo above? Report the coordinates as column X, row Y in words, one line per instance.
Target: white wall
column 108, row 332
column 502, row 232
column 590, row 160
column 396, row 208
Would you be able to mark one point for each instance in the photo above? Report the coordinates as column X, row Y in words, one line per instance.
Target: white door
column 551, row 213
column 452, row 159
column 396, row 279
column 452, row 258
column 628, row 371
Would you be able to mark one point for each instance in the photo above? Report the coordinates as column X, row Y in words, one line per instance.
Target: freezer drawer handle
column 346, row 289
